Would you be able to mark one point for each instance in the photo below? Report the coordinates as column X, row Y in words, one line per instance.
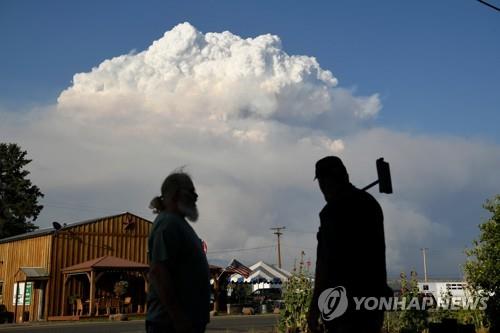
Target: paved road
column 256, row 324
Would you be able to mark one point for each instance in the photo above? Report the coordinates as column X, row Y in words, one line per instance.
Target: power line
column 240, row 249
column 269, row 255
column 489, row 5
column 301, row 231
column 299, row 247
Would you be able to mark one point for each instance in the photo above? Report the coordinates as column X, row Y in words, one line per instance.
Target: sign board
column 20, row 288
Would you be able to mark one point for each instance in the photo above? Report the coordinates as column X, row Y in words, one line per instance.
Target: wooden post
column 17, row 296
column 279, row 233
column 46, row 300
column 216, row 293
column 39, row 314
column 65, row 280
column 24, row 300
column 146, row 290
column 92, row 291
column 142, row 308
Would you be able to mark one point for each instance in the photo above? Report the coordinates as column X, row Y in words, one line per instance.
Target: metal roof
column 35, row 273
column 36, row 233
column 48, row 231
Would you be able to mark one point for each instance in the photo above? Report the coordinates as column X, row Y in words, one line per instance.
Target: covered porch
column 29, row 295
column 107, row 284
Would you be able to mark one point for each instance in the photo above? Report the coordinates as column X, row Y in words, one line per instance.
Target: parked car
column 6, row 316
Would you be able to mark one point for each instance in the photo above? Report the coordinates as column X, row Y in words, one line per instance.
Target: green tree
column 482, row 268
column 18, row 196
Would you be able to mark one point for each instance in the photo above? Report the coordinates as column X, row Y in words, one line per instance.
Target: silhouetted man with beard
column 351, row 251
column 179, row 295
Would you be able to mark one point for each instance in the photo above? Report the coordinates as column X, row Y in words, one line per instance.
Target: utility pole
column 424, row 249
column 278, row 233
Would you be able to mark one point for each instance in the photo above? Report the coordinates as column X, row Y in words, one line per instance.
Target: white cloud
column 249, row 121
column 439, row 183
column 194, row 77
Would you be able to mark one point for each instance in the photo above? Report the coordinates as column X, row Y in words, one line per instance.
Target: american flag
column 239, row 268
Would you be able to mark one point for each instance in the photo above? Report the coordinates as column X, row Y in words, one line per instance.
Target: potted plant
column 120, row 288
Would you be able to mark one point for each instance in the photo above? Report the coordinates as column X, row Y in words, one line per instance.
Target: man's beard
column 189, row 210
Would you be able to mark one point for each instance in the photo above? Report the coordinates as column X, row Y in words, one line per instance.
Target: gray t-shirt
column 174, row 241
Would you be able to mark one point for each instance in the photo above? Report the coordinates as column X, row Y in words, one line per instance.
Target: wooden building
column 42, row 272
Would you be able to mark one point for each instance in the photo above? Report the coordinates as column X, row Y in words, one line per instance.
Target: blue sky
column 418, row 84
column 436, row 64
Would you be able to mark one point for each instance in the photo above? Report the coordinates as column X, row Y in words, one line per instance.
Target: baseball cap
column 331, row 166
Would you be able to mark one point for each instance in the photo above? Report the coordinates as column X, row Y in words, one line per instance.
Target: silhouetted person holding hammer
column 350, row 253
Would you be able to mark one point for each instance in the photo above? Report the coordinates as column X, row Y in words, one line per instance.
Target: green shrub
column 412, row 320
column 297, row 295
